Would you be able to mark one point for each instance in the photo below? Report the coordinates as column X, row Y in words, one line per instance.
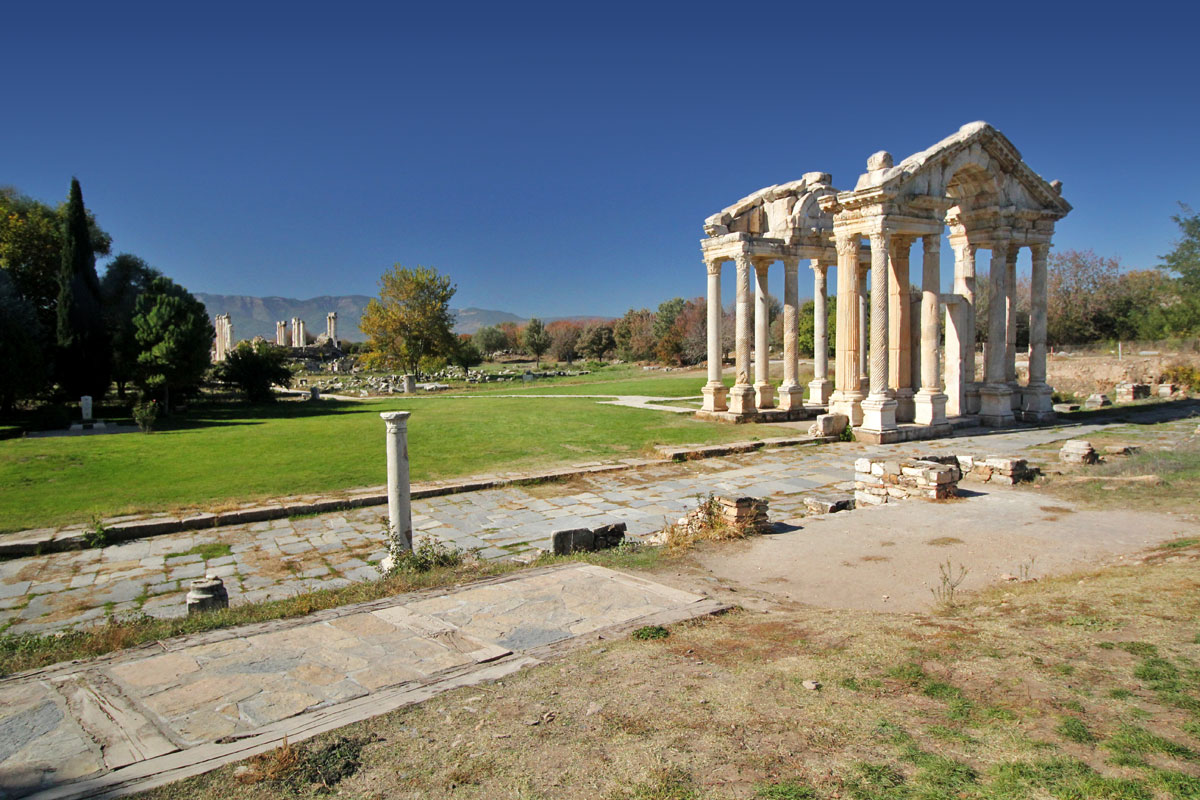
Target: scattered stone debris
column 1078, row 451
column 747, row 513
column 884, row 480
column 587, row 540
column 811, row 685
column 828, row 505
column 1121, row 449
column 1097, row 401
column 1128, row 392
column 995, row 469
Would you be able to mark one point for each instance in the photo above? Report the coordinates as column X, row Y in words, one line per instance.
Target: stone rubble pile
column 994, row 469
column 1097, row 401
column 1128, row 392
column 587, row 540
column 829, row 425
column 1078, row 451
column 886, row 480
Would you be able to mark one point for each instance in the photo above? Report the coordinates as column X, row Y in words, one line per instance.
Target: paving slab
column 140, row 718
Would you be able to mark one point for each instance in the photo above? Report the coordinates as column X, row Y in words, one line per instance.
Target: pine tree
column 84, row 357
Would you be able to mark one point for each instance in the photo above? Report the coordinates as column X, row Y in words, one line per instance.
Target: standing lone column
column 900, row 332
column 1037, row 404
column 879, row 410
column 818, row 387
column 1010, row 339
column 764, row 392
column 847, row 392
column 714, row 390
column 791, row 394
column 995, row 396
column 864, row 350
column 964, row 285
column 930, row 401
column 399, row 501
column 741, row 396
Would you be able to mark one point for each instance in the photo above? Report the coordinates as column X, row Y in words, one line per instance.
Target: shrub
column 1183, row 374
column 254, row 367
column 427, row 554
column 145, row 414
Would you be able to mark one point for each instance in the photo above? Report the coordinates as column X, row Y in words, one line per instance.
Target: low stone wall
column 1008, row 471
column 886, row 480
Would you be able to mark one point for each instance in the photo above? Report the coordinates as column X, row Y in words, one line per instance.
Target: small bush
column 145, row 414
column 650, row 632
column 1184, row 374
column 429, row 553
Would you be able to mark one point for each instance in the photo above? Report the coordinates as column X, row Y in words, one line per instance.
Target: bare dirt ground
column 1085, row 372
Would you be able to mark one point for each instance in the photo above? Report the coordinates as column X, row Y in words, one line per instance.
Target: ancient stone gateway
column 974, row 182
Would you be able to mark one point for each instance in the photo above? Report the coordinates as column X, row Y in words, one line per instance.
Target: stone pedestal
column 399, row 496
column 878, row 414
column 995, row 405
column 741, row 400
column 849, row 404
column 1037, row 404
column 930, row 408
column 207, row 594
column 410, row 384
column 819, row 392
column 85, row 407
column 791, row 397
column 764, row 395
column 714, row 397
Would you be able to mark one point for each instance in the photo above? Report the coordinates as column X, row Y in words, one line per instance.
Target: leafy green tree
column 466, row 353
column 597, row 340
column 564, row 340
column 125, row 280
column 1184, row 260
column 806, row 326
column 490, row 339
column 634, row 335
column 84, row 358
column 254, row 367
column 22, row 356
column 173, row 336
column 536, row 340
column 31, row 243
column 410, row 320
column 665, row 318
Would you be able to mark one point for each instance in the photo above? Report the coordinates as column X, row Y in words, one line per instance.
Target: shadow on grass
column 227, row 414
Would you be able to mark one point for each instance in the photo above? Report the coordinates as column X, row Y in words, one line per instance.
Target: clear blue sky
column 560, row 159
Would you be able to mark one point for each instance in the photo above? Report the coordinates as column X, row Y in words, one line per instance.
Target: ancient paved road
column 279, row 558
column 146, row 716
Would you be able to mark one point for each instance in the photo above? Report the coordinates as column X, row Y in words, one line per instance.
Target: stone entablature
column 973, row 181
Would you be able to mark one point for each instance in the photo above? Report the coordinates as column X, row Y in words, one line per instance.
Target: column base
column 995, row 405
column 879, row 414
column 764, row 395
column 714, row 397
column 791, row 397
column 930, row 408
column 971, row 398
column 1015, row 398
column 819, row 391
column 1037, row 403
column 741, row 400
column 848, row 403
column 905, row 410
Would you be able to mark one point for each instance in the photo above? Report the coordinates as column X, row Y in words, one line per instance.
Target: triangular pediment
column 977, row 159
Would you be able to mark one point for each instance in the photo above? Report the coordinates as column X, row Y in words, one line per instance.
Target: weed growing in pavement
column 946, row 592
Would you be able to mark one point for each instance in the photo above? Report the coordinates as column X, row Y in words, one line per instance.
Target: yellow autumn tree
column 410, row 320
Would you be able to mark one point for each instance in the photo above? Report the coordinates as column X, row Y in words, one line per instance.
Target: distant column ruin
column 331, row 327
column 301, row 336
column 223, row 340
column 281, row 336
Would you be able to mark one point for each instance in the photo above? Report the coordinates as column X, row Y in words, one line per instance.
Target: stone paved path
column 147, row 716
column 280, row 558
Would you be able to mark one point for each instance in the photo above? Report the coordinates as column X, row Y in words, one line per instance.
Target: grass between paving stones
column 220, row 456
column 20, row 652
column 1178, row 468
column 912, row 707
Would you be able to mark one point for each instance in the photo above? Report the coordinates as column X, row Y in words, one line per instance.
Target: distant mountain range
column 256, row 316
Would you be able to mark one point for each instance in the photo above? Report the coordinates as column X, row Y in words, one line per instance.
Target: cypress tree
column 84, row 356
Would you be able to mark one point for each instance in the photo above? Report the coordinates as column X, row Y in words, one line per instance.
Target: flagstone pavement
column 279, row 558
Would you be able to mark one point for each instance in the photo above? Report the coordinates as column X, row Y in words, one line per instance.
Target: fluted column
column 864, row 349
column 1010, row 338
column 847, row 389
column 764, row 392
column 819, row 387
column 399, row 495
column 1037, row 403
column 791, row 394
column 964, row 286
column 714, row 391
column 930, row 402
column 995, row 403
column 741, row 396
column 900, row 333
column 879, row 409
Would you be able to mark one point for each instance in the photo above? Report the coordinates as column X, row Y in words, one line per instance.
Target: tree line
column 67, row 332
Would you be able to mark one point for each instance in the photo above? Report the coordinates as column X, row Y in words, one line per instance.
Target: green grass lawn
column 226, row 454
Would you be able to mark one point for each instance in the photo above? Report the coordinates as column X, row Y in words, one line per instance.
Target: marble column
column 879, row 409
column 847, row 389
column 964, row 286
column 819, row 387
column 864, row 348
column 331, row 327
column 900, row 332
column 1010, row 339
column 791, row 393
column 1037, row 404
column 741, row 396
column 399, row 497
column 281, row 333
column 957, row 312
column 764, row 392
column 714, row 391
column 995, row 396
column 930, row 401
